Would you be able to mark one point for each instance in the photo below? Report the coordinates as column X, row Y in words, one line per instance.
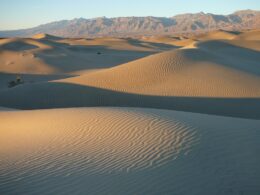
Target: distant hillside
column 130, row 26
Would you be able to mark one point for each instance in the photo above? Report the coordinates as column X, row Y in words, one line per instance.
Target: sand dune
column 204, row 79
column 161, row 39
column 219, row 34
column 125, row 44
column 127, row 151
column 182, row 73
column 19, row 44
column 253, row 35
column 45, row 54
column 46, row 36
column 177, row 41
column 19, row 56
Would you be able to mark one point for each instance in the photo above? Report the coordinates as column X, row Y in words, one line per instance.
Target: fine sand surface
column 141, row 115
column 127, row 151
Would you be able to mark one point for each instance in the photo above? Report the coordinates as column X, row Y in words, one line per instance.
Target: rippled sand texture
column 127, row 151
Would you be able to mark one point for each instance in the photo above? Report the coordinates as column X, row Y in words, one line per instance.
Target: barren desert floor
column 144, row 115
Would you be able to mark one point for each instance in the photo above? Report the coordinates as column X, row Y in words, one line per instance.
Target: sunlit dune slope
column 19, row 56
column 219, row 34
column 252, row 35
column 45, row 36
column 210, row 70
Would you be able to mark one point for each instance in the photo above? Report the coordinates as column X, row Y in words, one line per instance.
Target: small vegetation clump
column 15, row 82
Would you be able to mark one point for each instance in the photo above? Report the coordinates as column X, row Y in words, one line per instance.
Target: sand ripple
column 127, row 151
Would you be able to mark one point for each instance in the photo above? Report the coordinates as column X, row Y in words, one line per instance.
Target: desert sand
column 139, row 115
column 127, row 151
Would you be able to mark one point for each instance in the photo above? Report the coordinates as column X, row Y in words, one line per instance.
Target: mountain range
column 131, row 26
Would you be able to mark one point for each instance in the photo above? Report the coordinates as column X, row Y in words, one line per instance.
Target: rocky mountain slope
column 130, row 26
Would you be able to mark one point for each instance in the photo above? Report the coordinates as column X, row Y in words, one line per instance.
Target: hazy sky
column 17, row 14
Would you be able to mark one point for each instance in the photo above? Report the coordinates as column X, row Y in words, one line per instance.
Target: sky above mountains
column 17, row 14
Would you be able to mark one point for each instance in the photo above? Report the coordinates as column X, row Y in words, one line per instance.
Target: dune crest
column 218, row 35
column 45, row 36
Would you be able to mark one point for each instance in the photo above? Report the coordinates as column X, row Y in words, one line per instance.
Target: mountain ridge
column 149, row 25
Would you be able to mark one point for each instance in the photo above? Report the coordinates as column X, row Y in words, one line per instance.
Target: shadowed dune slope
column 127, row 151
column 6, row 109
column 5, row 78
column 65, row 95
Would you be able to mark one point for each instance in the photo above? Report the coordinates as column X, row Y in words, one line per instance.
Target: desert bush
column 15, row 82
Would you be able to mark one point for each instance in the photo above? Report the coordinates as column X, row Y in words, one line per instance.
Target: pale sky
column 18, row 14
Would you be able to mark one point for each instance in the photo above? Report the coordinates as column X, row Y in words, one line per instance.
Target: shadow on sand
column 63, row 95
